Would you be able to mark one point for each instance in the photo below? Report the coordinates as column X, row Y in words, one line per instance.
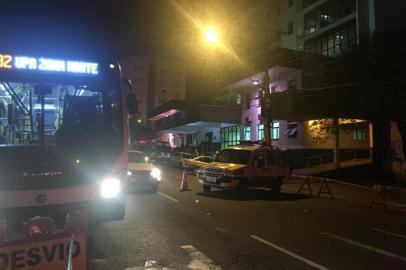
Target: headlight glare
column 156, row 173
column 110, row 188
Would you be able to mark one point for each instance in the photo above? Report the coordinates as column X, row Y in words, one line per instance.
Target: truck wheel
column 276, row 187
column 206, row 188
column 154, row 188
column 242, row 189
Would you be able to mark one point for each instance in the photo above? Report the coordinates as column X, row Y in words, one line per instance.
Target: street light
column 212, row 36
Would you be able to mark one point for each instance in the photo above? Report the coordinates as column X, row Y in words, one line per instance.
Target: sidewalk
column 358, row 194
column 330, row 167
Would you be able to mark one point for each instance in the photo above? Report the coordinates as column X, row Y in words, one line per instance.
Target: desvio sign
column 44, row 255
column 42, row 64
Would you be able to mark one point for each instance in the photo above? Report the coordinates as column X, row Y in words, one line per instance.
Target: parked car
column 142, row 173
column 245, row 166
column 197, row 162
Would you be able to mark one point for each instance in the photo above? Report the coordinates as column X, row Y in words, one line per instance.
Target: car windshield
column 137, row 157
column 234, row 156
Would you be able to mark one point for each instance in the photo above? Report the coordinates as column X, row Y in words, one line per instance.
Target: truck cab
column 245, row 166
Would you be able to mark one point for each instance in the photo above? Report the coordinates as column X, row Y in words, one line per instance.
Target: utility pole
column 265, row 108
column 336, row 130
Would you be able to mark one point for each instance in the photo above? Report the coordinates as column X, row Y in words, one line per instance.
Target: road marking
column 390, row 233
column 149, row 265
column 221, row 230
column 168, row 197
column 367, row 247
column 290, row 253
column 199, row 260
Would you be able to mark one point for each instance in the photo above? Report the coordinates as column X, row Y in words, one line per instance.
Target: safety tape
column 391, row 188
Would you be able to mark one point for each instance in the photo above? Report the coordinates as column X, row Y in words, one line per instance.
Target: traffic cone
column 184, row 186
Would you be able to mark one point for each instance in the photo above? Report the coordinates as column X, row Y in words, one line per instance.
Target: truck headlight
column 110, row 188
column 156, row 174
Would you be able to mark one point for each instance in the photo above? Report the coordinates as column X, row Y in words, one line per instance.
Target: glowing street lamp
column 211, row 36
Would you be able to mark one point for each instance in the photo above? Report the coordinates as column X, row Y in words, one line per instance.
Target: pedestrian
column 216, row 155
column 195, row 153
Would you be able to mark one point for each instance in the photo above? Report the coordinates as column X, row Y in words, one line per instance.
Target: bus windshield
column 52, row 114
column 56, row 135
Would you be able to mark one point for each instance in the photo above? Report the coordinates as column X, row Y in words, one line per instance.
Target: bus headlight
column 110, row 188
column 156, row 174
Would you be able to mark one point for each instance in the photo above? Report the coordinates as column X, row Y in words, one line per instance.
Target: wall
column 346, row 140
column 135, row 69
column 169, row 81
column 398, row 159
column 280, row 76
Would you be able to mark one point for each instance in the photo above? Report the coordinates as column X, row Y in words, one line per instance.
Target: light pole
column 265, row 108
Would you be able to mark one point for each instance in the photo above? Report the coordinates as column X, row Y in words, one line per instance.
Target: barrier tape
column 391, row 188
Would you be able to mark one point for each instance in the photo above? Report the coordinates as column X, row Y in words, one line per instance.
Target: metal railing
column 318, row 160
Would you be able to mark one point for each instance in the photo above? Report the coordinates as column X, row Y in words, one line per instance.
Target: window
column 290, row 3
column 247, row 101
column 193, row 139
column 259, row 117
column 291, row 131
column 359, row 134
column 261, row 134
column 247, row 133
column 307, row 3
column 334, row 43
column 234, row 156
column 238, row 99
column 290, row 28
column 326, row 14
column 275, row 131
column 229, row 136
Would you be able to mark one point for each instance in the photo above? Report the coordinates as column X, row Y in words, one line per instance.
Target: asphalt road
column 191, row 230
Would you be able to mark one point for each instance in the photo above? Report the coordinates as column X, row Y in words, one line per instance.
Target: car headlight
column 129, row 173
column 156, row 173
column 110, row 188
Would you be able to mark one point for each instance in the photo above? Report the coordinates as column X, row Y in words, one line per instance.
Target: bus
column 63, row 138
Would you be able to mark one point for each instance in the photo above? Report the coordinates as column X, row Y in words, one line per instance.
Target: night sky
column 164, row 28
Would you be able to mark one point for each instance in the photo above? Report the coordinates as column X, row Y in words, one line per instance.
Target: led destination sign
column 15, row 62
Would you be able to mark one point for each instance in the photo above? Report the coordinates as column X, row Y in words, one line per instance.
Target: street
column 192, row 230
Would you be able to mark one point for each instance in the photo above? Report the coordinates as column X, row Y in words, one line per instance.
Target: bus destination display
column 14, row 62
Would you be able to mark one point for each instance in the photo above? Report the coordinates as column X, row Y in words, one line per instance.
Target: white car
column 142, row 173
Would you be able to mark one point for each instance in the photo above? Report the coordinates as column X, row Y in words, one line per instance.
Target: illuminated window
column 238, row 99
column 193, row 139
column 333, row 43
column 359, row 134
column 275, row 131
column 247, row 133
column 229, row 136
column 261, row 134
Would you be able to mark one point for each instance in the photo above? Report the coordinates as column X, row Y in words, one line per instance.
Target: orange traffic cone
column 184, row 186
